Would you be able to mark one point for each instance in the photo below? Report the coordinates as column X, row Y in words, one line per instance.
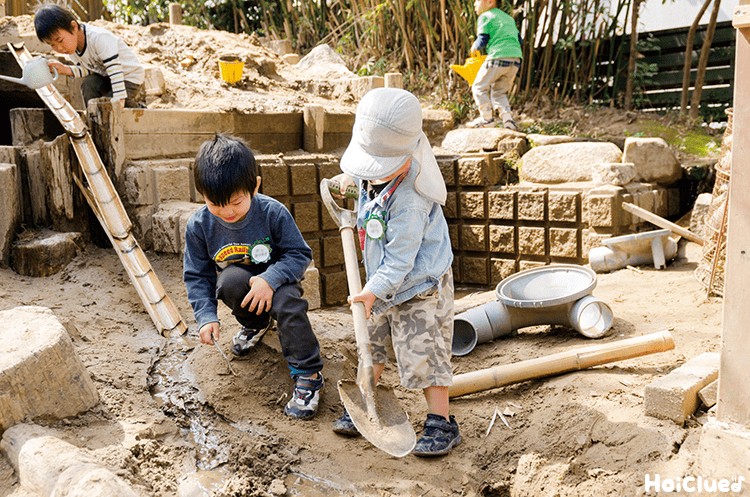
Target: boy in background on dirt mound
column 107, row 65
column 245, row 249
column 408, row 296
column 498, row 35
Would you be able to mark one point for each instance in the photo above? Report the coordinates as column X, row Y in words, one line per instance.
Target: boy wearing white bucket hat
column 408, row 296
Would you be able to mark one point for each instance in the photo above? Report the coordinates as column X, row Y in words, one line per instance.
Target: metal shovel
column 375, row 411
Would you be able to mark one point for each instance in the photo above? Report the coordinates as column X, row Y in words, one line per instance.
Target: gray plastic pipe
column 550, row 295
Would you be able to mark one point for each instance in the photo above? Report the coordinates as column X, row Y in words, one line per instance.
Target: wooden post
column 734, row 375
column 175, row 13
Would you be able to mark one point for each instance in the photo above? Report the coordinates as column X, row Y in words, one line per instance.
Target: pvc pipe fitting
column 653, row 247
column 557, row 294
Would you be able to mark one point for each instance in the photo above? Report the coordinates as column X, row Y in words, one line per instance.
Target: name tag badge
column 375, row 227
column 260, row 253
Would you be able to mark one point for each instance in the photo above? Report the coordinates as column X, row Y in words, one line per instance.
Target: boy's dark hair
column 224, row 166
column 51, row 17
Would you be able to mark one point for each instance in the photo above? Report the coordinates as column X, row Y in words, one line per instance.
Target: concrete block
column 137, row 184
column 475, row 270
column 453, row 234
column 10, row 209
column 335, row 287
column 564, row 207
column 675, row 396
column 142, row 219
column 307, row 215
column 503, row 239
column 333, row 252
column 314, row 244
column 531, row 240
column 472, row 205
column 171, row 182
column 603, row 210
column 360, row 86
column 450, row 209
column 275, row 180
column 311, row 287
column 709, row 393
column 394, row 80
column 501, row 269
column 167, row 230
column 563, row 242
column 501, row 205
column 531, row 205
column 474, row 238
column 448, row 165
column 338, row 130
column 524, row 265
column 154, row 83
column 304, row 179
column 480, row 170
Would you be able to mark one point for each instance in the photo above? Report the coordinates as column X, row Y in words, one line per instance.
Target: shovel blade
column 391, row 430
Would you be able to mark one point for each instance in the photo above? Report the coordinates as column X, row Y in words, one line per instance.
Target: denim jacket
column 415, row 250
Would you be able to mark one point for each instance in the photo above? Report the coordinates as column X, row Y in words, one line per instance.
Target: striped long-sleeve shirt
column 107, row 55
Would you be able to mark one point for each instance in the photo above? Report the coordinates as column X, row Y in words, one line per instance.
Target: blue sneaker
column 248, row 338
column 306, row 396
column 345, row 426
column 438, row 437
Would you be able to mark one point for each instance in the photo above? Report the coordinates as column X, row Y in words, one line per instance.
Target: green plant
column 547, row 128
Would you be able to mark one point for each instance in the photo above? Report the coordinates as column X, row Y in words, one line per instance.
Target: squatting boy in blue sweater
column 244, row 249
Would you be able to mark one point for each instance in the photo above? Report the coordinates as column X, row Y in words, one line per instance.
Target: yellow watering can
column 469, row 70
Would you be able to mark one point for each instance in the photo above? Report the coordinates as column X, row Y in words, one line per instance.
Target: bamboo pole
column 661, row 222
column 564, row 362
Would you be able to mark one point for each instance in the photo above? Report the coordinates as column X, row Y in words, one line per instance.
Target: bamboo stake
column 563, row 362
column 662, row 223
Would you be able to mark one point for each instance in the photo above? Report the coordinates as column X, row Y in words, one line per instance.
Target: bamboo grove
column 574, row 50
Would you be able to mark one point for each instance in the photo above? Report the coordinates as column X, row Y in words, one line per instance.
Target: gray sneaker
column 306, row 396
column 248, row 338
column 439, row 436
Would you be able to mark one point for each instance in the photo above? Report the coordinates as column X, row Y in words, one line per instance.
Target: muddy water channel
column 171, row 384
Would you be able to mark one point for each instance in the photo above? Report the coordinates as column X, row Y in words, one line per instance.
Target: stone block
column 502, row 239
column 450, row 209
column 524, row 265
column 563, row 242
column 338, row 130
column 474, row 238
column 154, row 83
column 280, row 47
column 698, row 214
column 40, row 373
column 653, row 160
column 501, row 205
column 137, row 184
column 142, row 219
column 453, row 233
column 467, row 140
column 472, row 205
column 675, row 396
column 328, row 170
column 314, row 128
column 306, row 216
column 275, row 180
column 673, row 201
column 10, row 208
column 171, row 182
column 394, row 80
column 617, row 173
column 360, row 86
column 333, row 251
column 531, row 206
column 44, row 254
column 564, row 207
column 335, row 287
column 480, row 170
column 709, row 394
column 304, row 179
column 311, row 287
column 603, row 210
column 531, row 240
column 661, row 202
column 566, row 162
column 501, row 269
column 168, row 225
column 475, row 270
column 448, row 165
column 314, row 244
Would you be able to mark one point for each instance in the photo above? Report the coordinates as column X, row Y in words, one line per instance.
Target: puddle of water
column 311, row 486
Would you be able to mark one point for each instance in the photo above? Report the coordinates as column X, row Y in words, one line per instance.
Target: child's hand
column 208, row 331
column 367, row 298
column 344, row 181
column 61, row 68
column 259, row 297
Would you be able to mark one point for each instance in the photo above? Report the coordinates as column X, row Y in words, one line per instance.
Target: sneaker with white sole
column 345, row 426
column 304, row 401
column 481, row 122
column 510, row 124
column 248, row 338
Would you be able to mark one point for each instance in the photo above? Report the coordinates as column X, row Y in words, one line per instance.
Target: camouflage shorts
column 420, row 334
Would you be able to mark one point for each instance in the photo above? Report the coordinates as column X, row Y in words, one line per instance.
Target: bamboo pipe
column 662, row 223
column 563, row 362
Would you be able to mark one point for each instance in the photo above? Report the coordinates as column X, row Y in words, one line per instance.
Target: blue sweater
column 268, row 242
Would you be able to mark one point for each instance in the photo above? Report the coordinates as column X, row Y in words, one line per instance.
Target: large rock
column 40, row 372
column 617, row 173
column 567, row 162
column 323, row 63
column 469, row 140
column 653, row 160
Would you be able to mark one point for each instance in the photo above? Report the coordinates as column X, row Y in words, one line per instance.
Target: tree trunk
column 695, row 101
column 689, row 58
column 630, row 83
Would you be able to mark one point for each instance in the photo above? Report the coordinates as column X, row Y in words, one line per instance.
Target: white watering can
column 35, row 74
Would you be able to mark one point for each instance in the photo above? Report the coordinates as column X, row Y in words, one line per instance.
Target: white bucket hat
column 388, row 132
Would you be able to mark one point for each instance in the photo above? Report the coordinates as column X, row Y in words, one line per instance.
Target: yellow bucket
column 469, row 70
column 230, row 67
